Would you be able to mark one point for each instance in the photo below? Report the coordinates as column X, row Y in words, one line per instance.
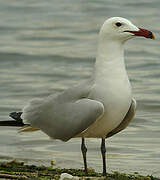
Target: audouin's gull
column 98, row 108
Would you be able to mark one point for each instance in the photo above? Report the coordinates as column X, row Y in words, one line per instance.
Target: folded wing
column 64, row 116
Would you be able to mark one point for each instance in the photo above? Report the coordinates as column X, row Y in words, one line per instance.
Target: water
column 47, row 46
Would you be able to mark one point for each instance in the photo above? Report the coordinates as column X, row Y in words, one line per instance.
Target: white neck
column 110, row 59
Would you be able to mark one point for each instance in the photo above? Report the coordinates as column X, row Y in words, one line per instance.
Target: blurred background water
column 47, row 46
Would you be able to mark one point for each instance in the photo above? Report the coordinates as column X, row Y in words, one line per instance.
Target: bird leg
column 84, row 151
column 103, row 151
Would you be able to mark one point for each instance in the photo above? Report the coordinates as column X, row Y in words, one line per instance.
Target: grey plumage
column 72, row 112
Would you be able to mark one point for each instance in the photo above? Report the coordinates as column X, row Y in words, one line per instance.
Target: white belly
column 116, row 104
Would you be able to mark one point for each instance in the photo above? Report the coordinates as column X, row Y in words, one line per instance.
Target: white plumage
column 94, row 108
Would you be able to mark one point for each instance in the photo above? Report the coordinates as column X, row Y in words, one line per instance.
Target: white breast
column 113, row 89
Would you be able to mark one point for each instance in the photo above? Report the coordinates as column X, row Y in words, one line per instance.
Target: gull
column 97, row 108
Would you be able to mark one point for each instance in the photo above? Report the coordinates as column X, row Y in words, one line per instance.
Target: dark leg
column 103, row 151
column 84, row 151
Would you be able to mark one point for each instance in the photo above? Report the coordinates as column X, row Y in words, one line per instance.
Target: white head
column 121, row 29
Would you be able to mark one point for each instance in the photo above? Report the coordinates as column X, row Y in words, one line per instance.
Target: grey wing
column 127, row 119
column 66, row 115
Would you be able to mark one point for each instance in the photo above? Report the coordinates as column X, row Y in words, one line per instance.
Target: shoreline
column 18, row 170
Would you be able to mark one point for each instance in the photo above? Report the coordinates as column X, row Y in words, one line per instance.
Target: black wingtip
column 11, row 123
column 17, row 120
column 16, row 116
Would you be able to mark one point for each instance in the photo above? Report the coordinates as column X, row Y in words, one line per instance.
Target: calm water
column 47, row 46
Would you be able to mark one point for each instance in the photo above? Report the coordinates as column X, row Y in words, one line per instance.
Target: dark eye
column 118, row 24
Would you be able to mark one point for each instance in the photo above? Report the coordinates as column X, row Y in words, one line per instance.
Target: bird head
column 121, row 29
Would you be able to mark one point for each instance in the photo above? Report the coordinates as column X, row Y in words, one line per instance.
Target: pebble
column 53, row 162
column 66, row 176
